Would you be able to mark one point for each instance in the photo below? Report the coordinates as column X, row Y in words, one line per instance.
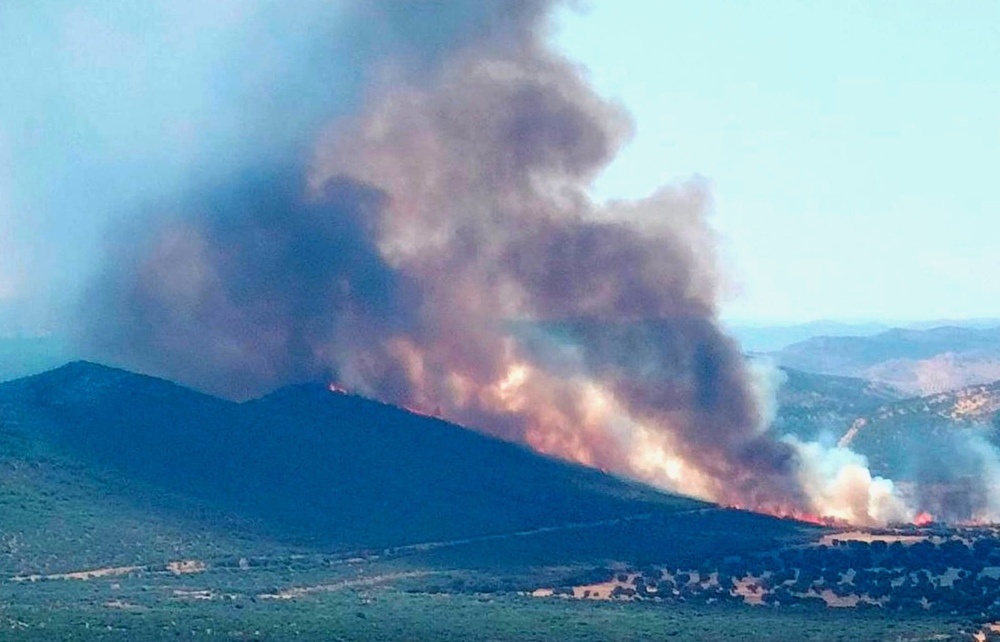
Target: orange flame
column 799, row 516
column 431, row 415
column 815, row 519
column 812, row 518
column 923, row 518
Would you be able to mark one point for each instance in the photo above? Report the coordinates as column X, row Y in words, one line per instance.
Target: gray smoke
column 430, row 242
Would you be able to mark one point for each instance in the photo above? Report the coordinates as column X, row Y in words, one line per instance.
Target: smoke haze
column 393, row 197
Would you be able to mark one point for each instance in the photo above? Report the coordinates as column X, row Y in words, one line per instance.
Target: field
column 386, row 603
column 421, row 593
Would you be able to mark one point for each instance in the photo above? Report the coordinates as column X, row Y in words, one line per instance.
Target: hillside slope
column 923, row 436
column 814, row 406
column 91, row 454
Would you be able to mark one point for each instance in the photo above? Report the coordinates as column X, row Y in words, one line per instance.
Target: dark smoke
column 255, row 285
column 441, row 252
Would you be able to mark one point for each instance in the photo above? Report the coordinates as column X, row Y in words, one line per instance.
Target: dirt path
column 80, row 575
column 300, row 591
column 573, row 526
column 180, row 567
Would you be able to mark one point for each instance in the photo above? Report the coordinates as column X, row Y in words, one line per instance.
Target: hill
column 915, row 361
column 760, row 337
column 306, row 467
column 931, row 438
column 924, row 436
column 814, row 406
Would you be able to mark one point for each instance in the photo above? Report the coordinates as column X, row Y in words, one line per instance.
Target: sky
column 107, row 107
column 852, row 148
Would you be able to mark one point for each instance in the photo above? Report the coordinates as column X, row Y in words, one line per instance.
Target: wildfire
column 923, row 518
column 431, row 415
column 800, row 516
column 821, row 520
column 334, row 388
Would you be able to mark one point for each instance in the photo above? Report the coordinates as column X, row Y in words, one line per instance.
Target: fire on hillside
column 434, row 244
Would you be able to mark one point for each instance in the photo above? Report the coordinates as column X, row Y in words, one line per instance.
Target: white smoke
column 986, row 462
column 766, row 378
column 840, row 485
column 836, row 480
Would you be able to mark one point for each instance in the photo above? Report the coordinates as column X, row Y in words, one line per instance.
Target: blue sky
column 107, row 106
column 853, row 147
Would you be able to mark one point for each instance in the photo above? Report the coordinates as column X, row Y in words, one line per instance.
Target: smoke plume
column 433, row 244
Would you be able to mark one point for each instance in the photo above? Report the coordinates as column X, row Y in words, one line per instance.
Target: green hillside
column 93, row 450
column 926, row 436
column 812, row 406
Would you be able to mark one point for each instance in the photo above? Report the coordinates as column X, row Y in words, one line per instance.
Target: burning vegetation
column 435, row 246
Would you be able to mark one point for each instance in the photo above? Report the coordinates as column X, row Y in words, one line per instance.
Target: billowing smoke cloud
column 435, row 247
column 255, row 285
column 952, row 473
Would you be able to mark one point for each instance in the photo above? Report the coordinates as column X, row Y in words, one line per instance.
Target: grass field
column 128, row 610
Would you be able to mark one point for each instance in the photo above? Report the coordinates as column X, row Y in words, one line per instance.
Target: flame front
column 582, row 420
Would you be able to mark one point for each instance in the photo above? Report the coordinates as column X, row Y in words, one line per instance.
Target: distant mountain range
column 771, row 337
column 756, row 338
column 916, row 362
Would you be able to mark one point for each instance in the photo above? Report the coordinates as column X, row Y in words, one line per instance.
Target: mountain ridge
column 918, row 362
column 283, row 453
column 100, row 466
